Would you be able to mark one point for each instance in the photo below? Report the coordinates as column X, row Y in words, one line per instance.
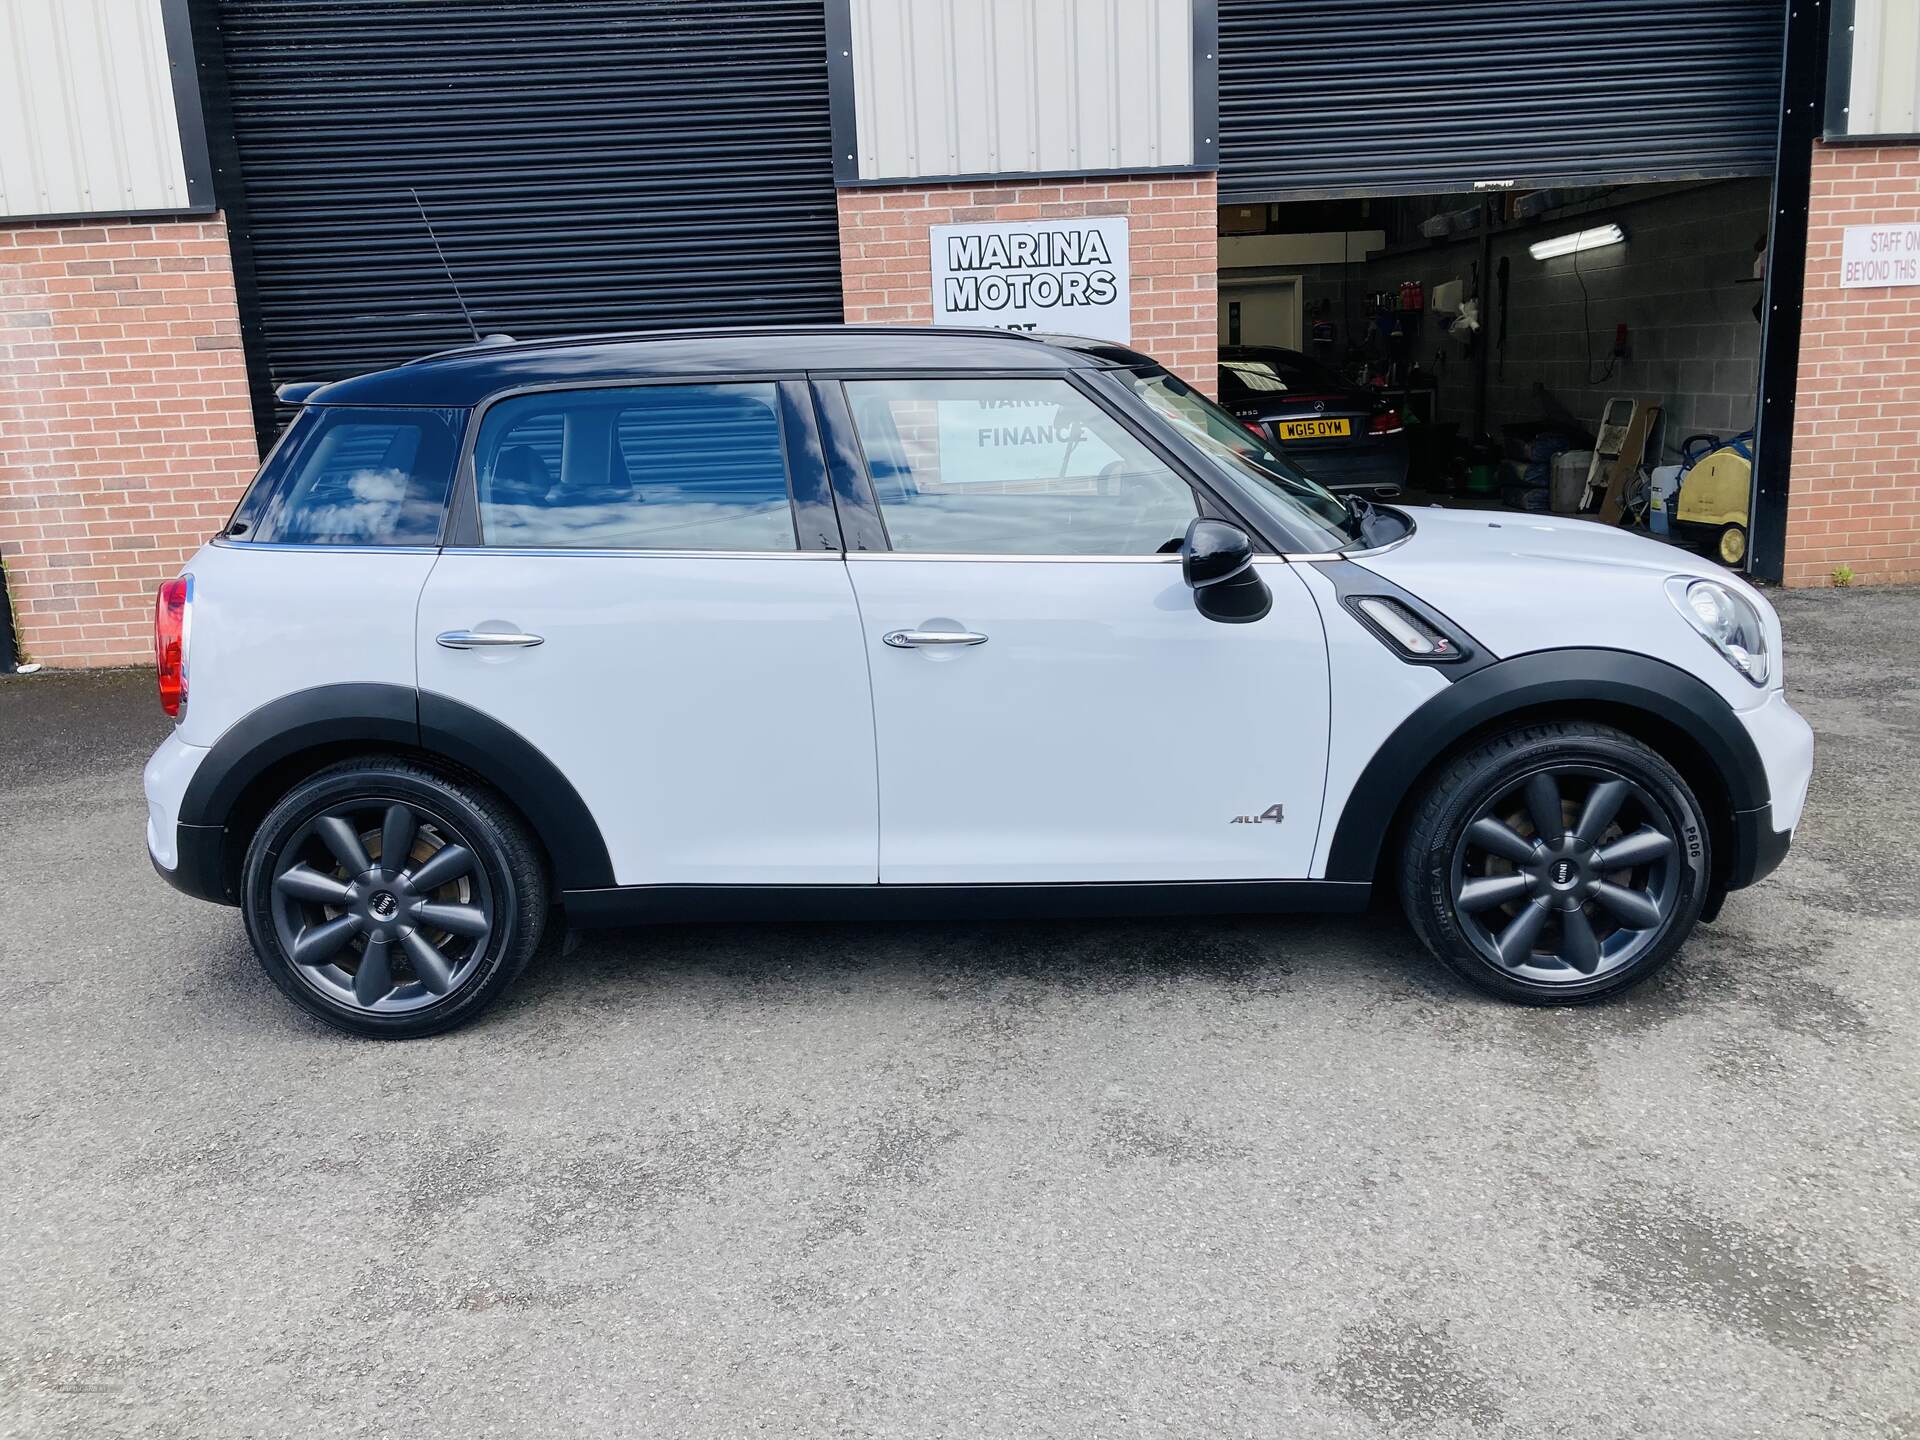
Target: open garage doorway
column 1588, row 350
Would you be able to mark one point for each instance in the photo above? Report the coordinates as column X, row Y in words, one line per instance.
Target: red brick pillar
column 886, row 264
column 125, row 431
column 1854, row 497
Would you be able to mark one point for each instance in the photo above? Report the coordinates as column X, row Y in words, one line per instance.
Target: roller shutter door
column 1375, row 97
column 620, row 165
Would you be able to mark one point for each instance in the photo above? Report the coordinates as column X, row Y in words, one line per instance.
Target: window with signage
column 656, row 467
column 1012, row 467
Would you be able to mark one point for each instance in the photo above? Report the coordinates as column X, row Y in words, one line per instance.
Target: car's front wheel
column 1556, row 863
column 392, row 901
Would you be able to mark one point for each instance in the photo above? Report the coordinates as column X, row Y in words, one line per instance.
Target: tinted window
column 1012, row 467
column 660, row 467
column 1277, row 372
column 347, row 475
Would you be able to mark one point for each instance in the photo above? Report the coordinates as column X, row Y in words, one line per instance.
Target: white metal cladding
column 87, row 119
column 1885, row 84
column 982, row 87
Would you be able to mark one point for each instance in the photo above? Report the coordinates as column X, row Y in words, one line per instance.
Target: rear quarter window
column 355, row 475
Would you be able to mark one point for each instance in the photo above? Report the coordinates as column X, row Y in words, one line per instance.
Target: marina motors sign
column 1068, row 277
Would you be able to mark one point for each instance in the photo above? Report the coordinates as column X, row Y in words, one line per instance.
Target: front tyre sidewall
column 507, row 945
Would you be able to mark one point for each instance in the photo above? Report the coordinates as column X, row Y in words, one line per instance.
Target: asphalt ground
column 1260, row 1177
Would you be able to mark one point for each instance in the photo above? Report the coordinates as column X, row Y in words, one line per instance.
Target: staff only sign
column 1064, row 276
column 1874, row 255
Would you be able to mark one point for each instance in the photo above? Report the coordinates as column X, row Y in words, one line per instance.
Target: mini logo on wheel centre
column 384, row 906
column 1562, row 872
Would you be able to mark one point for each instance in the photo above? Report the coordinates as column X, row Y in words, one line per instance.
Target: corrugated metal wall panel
column 981, row 87
column 1883, row 94
column 1362, row 97
column 627, row 164
column 87, row 121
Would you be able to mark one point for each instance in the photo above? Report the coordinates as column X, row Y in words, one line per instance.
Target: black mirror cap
column 1214, row 551
column 1216, row 560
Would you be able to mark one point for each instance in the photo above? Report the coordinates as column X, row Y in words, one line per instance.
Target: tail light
column 1256, row 427
column 172, row 629
column 1387, row 422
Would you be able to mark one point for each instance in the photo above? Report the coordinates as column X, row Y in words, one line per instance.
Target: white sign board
column 1872, row 255
column 1064, row 276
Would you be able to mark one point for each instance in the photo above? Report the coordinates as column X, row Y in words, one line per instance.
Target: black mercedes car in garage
column 1339, row 433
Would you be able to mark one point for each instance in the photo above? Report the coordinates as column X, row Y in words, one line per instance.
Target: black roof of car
column 470, row 374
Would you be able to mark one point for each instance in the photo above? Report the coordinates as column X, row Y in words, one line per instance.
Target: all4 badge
column 1275, row 813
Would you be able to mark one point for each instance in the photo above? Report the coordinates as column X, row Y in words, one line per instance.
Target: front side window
column 651, row 467
column 1012, row 467
column 355, row 475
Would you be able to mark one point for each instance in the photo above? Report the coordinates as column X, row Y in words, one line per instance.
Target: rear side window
column 350, row 475
column 652, row 467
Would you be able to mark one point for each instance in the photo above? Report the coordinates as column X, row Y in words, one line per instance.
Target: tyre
column 383, row 946
column 1555, row 863
column 1731, row 546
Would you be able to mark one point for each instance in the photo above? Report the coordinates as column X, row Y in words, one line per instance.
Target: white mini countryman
column 890, row 622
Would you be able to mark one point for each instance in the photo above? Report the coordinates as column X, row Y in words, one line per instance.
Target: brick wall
column 125, row 434
column 1854, row 496
column 886, row 265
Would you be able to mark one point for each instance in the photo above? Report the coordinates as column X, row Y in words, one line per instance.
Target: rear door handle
column 486, row 639
column 914, row 639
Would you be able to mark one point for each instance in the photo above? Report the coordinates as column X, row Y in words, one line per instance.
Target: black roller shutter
column 1374, row 97
column 619, row 165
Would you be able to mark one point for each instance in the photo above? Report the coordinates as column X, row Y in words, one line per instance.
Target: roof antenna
column 443, row 264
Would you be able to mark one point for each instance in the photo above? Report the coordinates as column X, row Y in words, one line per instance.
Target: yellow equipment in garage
column 1715, row 489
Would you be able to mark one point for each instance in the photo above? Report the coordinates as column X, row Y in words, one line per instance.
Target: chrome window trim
column 604, row 552
column 227, row 542
column 995, row 558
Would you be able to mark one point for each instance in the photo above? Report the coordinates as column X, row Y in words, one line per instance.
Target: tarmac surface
column 1251, row 1177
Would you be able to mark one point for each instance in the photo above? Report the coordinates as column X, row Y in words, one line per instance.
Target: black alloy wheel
column 390, row 900
column 1569, row 874
column 1556, row 862
column 382, row 905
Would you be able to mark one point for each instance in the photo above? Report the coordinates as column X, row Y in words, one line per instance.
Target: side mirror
column 1216, row 559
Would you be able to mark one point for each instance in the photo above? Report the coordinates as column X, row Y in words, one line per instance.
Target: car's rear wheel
column 392, row 901
column 1556, row 863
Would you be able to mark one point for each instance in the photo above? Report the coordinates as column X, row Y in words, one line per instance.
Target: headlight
column 1728, row 621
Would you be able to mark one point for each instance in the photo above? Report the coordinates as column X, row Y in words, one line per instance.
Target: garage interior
column 1381, row 209
column 1498, row 329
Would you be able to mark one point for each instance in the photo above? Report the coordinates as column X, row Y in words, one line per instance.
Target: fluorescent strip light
column 1580, row 240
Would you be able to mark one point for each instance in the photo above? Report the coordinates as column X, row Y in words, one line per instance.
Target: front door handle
column 486, row 639
column 914, row 639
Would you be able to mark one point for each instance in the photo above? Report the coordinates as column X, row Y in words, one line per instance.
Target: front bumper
column 1761, row 836
column 191, row 858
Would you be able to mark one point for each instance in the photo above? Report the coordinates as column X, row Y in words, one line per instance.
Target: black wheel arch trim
column 328, row 716
column 532, row 783
column 1545, row 680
